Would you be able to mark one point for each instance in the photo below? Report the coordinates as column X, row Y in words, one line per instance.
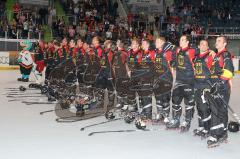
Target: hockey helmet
column 22, row 88
column 233, row 126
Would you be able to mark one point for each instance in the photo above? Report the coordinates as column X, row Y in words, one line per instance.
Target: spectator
column 109, row 34
column 52, row 13
column 25, row 29
column 71, row 32
column 16, row 9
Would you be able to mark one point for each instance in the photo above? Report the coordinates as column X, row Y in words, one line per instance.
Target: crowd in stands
column 86, row 18
column 26, row 22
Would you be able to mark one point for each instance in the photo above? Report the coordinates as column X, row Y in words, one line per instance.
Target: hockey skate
column 223, row 139
column 197, row 132
column 25, row 80
column 140, row 124
column 201, row 132
column 20, row 79
column 212, row 142
column 204, row 134
column 185, row 127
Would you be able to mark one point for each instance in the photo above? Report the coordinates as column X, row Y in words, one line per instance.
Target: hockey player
column 49, row 59
column 163, row 71
column 97, row 47
column 222, row 68
column 72, row 51
column 203, row 63
column 145, row 64
column 92, row 60
column 80, row 60
column 25, row 60
column 80, row 52
column 71, row 62
column 57, row 53
column 105, row 79
column 133, row 63
column 184, row 85
column 64, row 49
column 39, row 64
column 121, row 77
column 123, row 55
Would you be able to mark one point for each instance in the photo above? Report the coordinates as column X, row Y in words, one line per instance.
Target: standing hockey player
column 97, row 47
column 146, row 66
column 72, row 52
column 80, row 52
column 25, row 60
column 121, row 77
column 104, row 79
column 203, row 64
column 184, row 85
column 80, row 60
column 133, row 62
column 223, row 68
column 39, row 64
column 57, row 53
column 49, row 59
column 64, row 50
column 163, row 71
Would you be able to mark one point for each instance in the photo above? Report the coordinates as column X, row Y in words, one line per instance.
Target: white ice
column 24, row 134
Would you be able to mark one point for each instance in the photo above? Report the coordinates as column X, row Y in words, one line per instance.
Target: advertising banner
column 4, row 58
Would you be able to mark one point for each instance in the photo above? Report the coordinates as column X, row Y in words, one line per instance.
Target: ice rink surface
column 24, row 134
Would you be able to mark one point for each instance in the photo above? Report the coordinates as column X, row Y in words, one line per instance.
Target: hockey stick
column 100, row 123
column 48, row 111
column 35, row 103
column 121, row 131
column 16, row 94
column 10, row 96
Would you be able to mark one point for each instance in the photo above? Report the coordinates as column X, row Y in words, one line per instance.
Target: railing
column 35, row 2
column 19, row 35
column 224, row 29
column 231, row 32
column 11, row 44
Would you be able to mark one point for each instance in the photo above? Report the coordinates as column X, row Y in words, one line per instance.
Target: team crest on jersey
column 198, row 68
column 181, row 60
column 103, row 61
column 159, row 63
column 212, row 69
column 131, row 60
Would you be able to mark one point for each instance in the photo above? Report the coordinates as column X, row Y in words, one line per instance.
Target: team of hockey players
column 198, row 72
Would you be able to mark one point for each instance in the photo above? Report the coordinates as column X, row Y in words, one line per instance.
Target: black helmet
column 44, row 89
column 109, row 115
column 233, row 126
column 22, row 88
column 129, row 118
